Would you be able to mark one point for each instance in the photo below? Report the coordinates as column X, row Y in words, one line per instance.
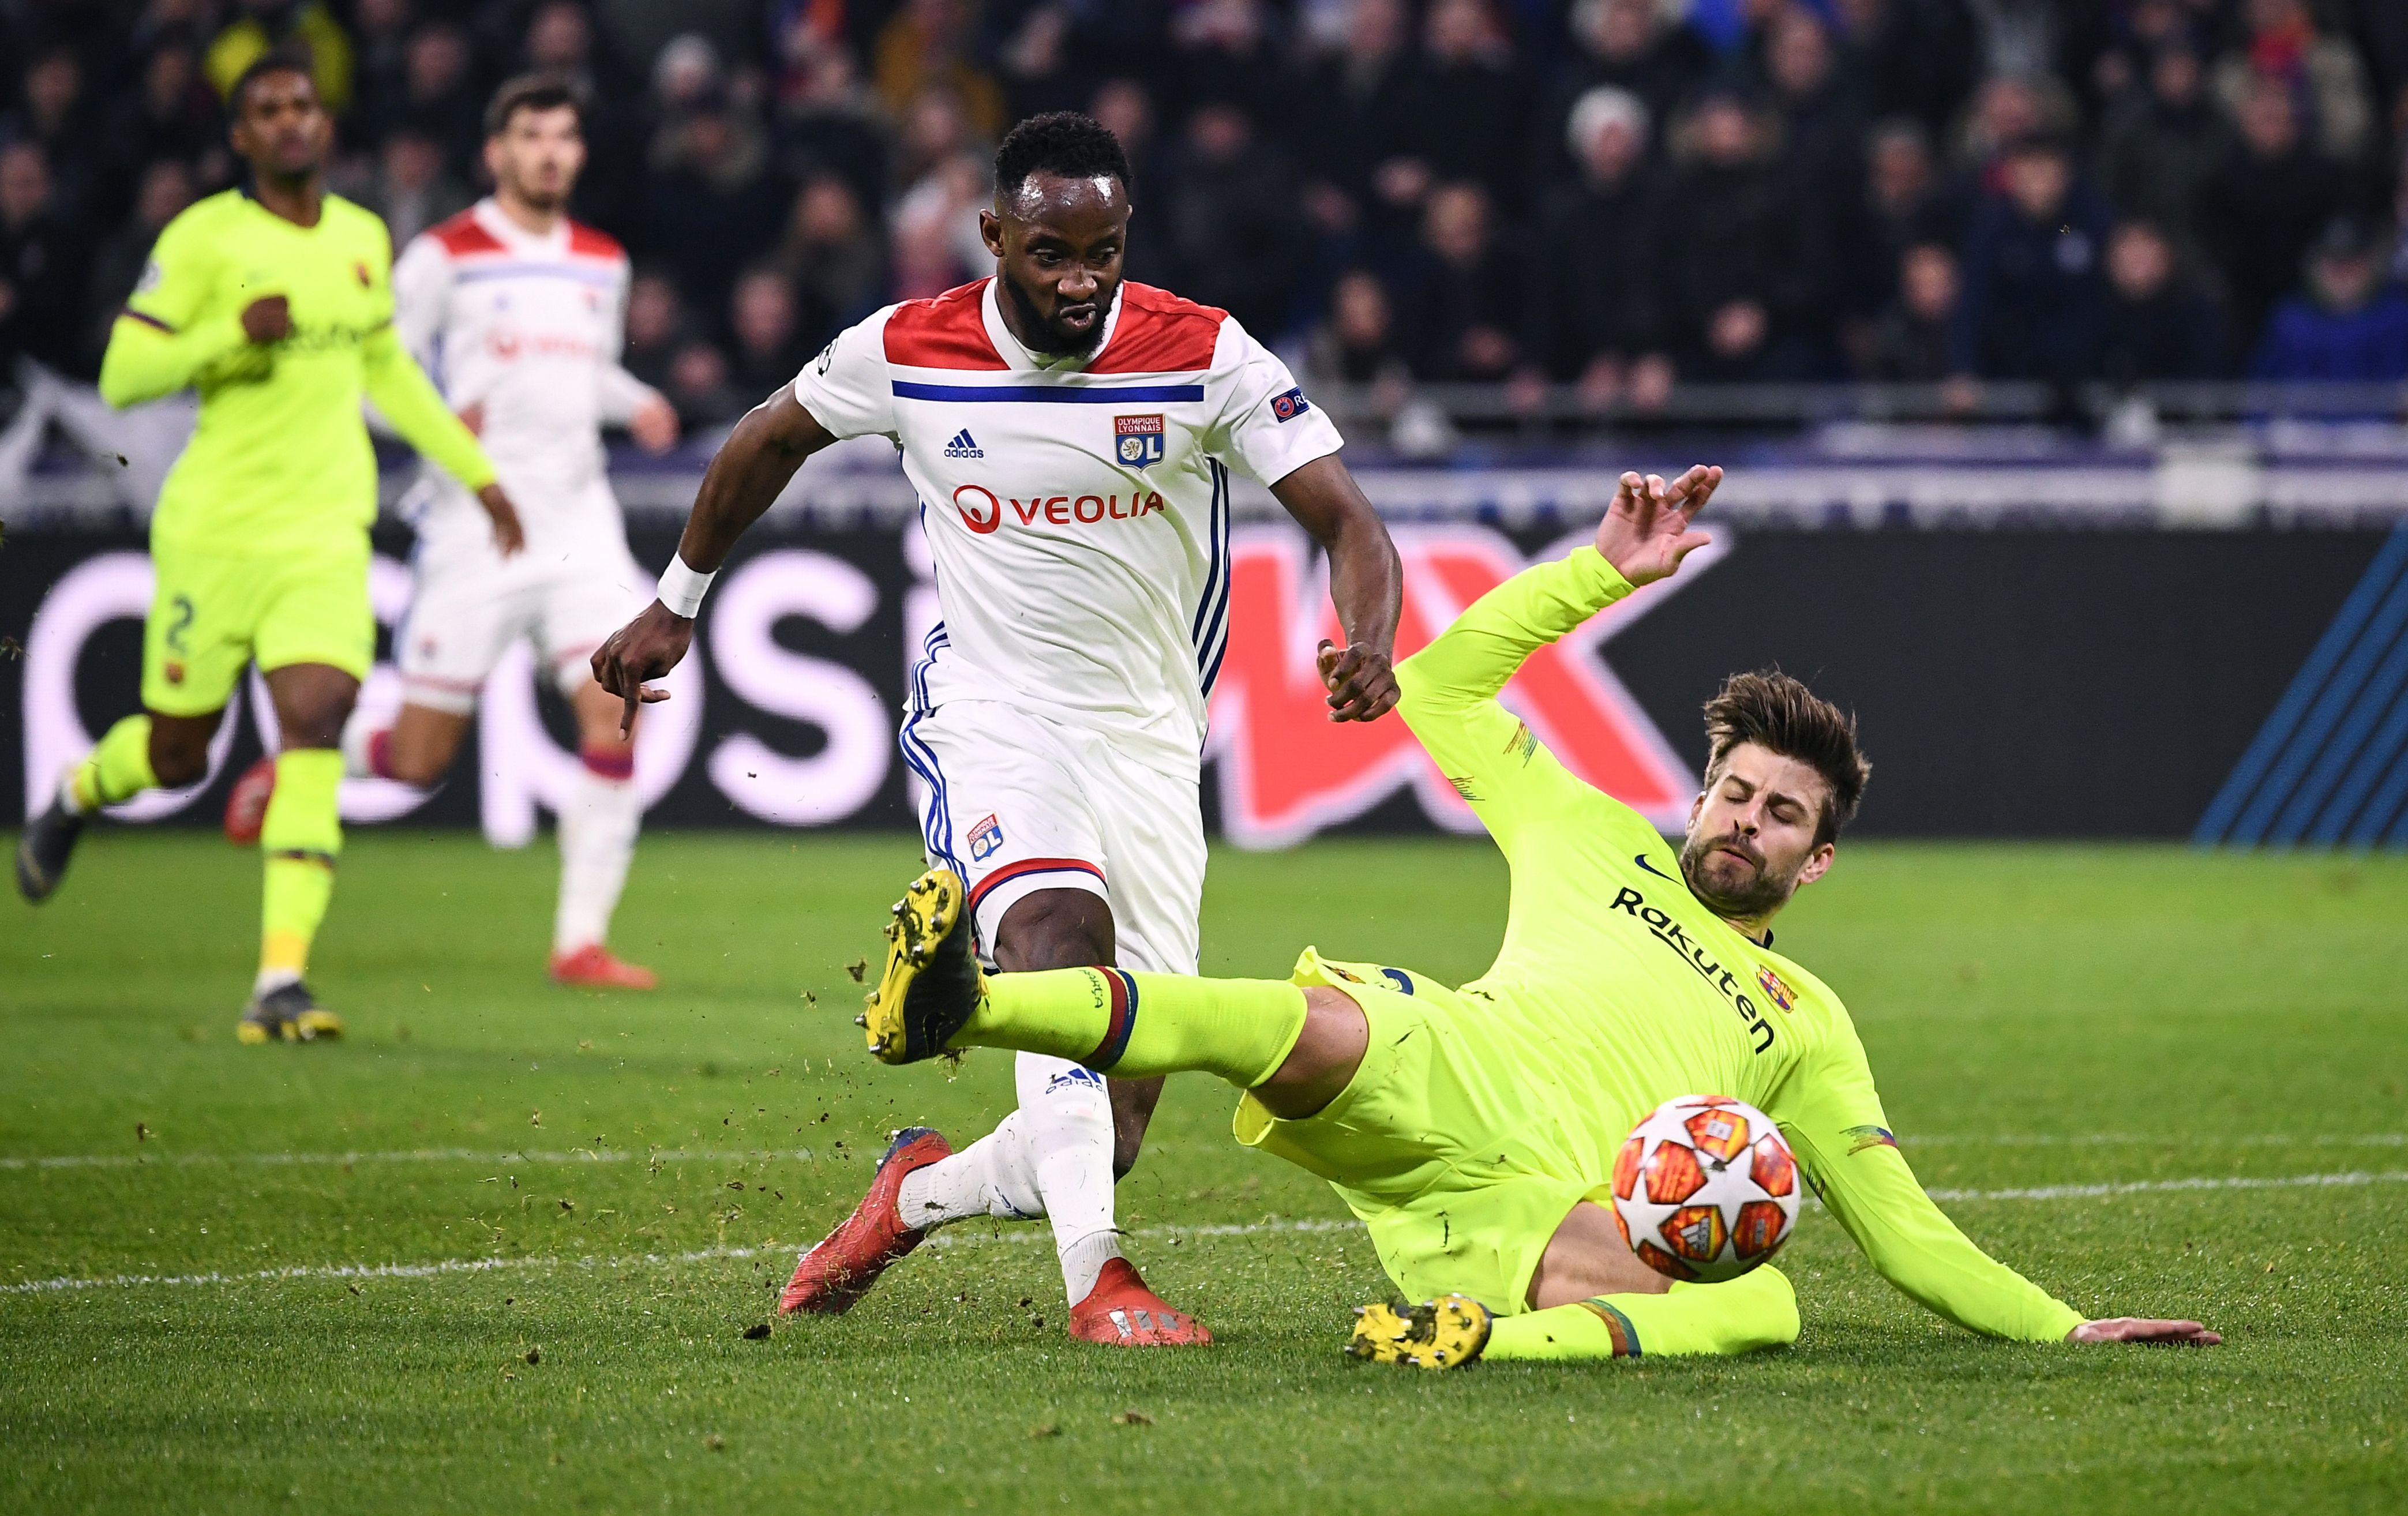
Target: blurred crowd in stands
column 1607, row 195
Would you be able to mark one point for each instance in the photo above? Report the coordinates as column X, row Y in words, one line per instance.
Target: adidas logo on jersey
column 964, row 445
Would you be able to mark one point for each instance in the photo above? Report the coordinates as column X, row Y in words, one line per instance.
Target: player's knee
column 1055, row 929
column 176, row 762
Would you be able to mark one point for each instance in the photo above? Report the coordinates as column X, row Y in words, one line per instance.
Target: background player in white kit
column 516, row 311
column 1070, row 437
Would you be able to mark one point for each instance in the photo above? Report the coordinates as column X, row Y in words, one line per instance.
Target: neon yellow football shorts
column 1432, row 1144
column 213, row 613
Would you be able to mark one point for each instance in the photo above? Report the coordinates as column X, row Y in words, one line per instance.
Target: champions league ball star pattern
column 1705, row 1189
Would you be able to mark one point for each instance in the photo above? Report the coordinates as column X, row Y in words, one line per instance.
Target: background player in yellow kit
column 1473, row 1131
column 274, row 302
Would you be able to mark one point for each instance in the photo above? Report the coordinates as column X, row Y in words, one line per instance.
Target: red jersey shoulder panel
column 462, row 236
column 590, row 242
column 1159, row 333
column 947, row 331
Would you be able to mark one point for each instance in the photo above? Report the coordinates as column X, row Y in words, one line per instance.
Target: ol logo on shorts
column 986, row 835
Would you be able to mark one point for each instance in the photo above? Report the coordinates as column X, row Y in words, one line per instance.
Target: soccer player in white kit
column 516, row 311
column 1070, row 436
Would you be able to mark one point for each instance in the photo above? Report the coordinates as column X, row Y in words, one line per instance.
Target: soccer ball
column 1706, row 1189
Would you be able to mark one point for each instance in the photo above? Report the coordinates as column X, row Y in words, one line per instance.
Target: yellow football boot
column 931, row 982
column 1445, row 1333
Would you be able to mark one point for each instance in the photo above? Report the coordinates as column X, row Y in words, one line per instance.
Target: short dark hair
column 1070, row 143
column 283, row 58
column 533, row 91
column 1775, row 711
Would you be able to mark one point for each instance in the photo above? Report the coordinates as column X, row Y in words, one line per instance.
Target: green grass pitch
column 533, row 1327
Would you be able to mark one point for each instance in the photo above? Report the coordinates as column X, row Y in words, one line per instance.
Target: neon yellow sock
column 117, row 770
column 301, row 836
column 1137, row 1025
column 1758, row 1309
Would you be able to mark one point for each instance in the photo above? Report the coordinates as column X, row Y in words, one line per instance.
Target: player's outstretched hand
column 2145, row 1329
column 508, row 534
column 644, row 649
column 1362, row 683
column 653, row 425
column 1645, row 533
column 268, row 319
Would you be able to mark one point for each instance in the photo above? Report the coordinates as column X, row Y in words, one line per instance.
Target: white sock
column 67, row 801
column 991, row 1177
column 358, row 728
column 272, row 979
column 1067, row 1123
column 597, row 840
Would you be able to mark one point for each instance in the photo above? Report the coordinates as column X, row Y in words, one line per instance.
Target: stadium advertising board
column 2009, row 683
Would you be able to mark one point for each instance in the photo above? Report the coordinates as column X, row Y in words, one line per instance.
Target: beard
column 1060, row 342
column 1758, row 894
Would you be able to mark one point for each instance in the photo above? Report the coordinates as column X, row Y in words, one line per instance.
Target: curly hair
column 1775, row 711
column 1065, row 142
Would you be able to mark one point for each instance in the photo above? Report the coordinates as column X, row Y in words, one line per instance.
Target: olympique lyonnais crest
column 1140, row 439
column 986, row 835
column 1777, row 989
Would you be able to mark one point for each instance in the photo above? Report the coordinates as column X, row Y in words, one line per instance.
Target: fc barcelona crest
column 1140, row 439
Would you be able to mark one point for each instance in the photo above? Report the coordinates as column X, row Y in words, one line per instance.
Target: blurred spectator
column 1914, row 341
column 1358, row 114
column 1472, row 99
column 42, row 271
column 2159, row 326
column 1821, row 123
column 1357, row 343
column 1462, row 304
column 933, row 135
column 770, row 347
column 1224, row 57
column 169, row 114
column 1904, row 205
column 412, row 188
column 832, row 259
column 381, row 53
column 2346, row 326
column 2006, row 110
column 1915, row 58
column 560, row 40
column 1631, row 45
column 440, row 97
column 711, row 202
column 1592, row 311
column 1749, row 282
column 829, row 121
column 942, row 213
column 2283, row 48
column 2266, row 204
column 259, row 25
column 2033, row 287
column 700, row 386
column 1229, row 229
column 1037, row 70
column 655, row 328
column 53, row 113
column 2163, row 144
column 165, row 188
column 927, row 45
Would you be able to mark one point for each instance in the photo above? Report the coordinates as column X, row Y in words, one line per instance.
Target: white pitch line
column 967, row 1236
column 682, row 1155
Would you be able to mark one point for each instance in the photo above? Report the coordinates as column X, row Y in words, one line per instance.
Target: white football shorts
column 468, row 608
column 1018, row 803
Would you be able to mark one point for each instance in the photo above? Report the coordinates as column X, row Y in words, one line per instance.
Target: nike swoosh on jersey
column 1641, row 859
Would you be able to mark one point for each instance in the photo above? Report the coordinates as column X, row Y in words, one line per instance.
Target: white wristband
column 681, row 587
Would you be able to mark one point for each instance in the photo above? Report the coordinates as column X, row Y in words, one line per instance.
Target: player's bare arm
column 744, row 478
column 1365, row 584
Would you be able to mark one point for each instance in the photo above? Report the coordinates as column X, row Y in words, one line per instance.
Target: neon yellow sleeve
column 1833, row 1120
column 407, row 399
column 1449, row 692
column 161, row 341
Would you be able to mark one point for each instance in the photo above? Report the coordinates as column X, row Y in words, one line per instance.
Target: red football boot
column 1121, row 1312
column 247, row 804
column 841, row 1266
column 595, row 966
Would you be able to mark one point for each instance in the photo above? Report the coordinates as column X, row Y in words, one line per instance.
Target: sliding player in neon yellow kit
column 1475, row 1131
column 275, row 302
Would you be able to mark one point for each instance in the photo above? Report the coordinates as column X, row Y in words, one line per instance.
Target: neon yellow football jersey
column 1615, row 989
column 280, row 455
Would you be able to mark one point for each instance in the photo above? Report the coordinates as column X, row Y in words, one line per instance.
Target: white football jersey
column 526, row 330
column 1077, row 510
